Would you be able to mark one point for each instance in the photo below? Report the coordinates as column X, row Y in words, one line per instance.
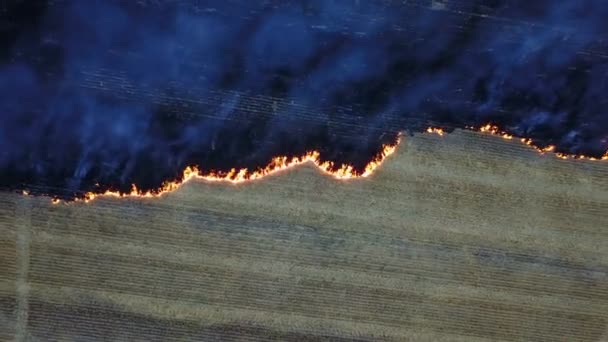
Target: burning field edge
column 281, row 163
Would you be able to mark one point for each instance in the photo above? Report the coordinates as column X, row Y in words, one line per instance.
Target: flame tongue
column 435, row 130
column 235, row 176
column 494, row 130
column 281, row 163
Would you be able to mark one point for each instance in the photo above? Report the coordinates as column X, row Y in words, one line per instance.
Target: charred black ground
column 103, row 94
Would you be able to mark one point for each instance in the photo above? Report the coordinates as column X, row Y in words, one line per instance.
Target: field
column 465, row 237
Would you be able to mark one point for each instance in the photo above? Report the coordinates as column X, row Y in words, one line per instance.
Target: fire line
column 234, row 176
column 278, row 164
column 494, row 130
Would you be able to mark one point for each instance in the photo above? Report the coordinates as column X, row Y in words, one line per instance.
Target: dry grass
column 460, row 238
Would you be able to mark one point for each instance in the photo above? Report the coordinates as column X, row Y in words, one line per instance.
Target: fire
column 234, row 176
column 494, row 130
column 278, row 164
column 435, row 130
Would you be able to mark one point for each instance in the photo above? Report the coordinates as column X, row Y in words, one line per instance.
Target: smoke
column 102, row 94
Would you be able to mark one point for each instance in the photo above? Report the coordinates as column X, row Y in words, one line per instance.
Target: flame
column 278, row 164
column 234, row 176
column 494, row 130
column 435, row 130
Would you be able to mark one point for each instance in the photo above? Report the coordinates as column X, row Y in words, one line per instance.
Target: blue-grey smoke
column 97, row 94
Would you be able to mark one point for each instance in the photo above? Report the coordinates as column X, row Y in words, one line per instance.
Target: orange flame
column 491, row 129
column 279, row 164
column 494, row 130
column 435, row 130
column 234, row 176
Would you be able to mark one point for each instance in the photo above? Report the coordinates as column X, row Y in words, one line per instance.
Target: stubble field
column 465, row 237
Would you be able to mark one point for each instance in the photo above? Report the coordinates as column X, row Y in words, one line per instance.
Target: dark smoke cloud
column 119, row 92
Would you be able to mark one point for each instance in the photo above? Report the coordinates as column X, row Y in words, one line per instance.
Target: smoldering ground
column 121, row 92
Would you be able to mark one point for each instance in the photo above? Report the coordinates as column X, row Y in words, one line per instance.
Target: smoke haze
column 120, row 92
